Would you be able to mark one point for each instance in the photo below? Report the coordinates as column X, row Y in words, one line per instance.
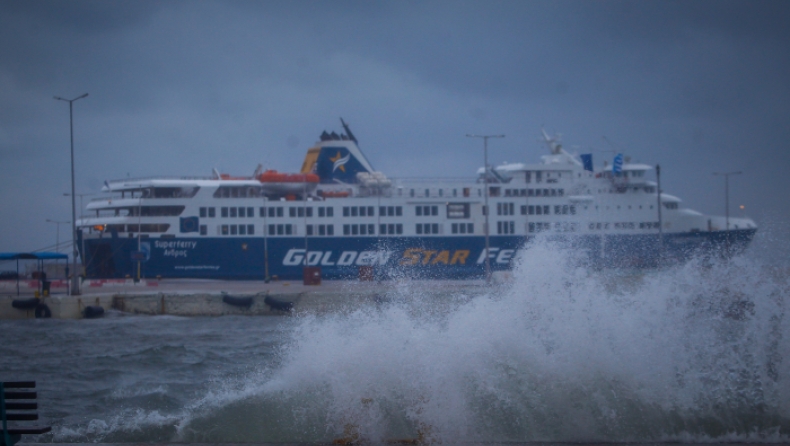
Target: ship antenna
column 348, row 131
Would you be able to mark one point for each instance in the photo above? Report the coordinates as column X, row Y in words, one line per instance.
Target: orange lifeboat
column 288, row 183
column 226, row 176
column 272, row 176
column 334, row 194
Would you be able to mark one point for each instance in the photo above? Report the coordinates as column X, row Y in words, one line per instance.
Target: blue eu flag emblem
column 189, row 224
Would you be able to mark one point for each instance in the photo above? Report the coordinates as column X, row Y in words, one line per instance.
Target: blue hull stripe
column 342, row 257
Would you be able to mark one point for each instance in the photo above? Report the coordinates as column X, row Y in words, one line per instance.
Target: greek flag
column 617, row 164
column 587, row 161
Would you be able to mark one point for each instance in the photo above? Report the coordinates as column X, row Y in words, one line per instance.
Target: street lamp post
column 75, row 286
column 82, row 208
column 726, row 176
column 485, row 195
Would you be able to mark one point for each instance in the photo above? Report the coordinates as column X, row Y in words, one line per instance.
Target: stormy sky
column 181, row 87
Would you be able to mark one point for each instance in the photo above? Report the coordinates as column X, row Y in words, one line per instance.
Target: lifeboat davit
column 285, row 183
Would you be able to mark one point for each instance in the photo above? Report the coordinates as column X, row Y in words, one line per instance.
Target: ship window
column 523, row 210
column 505, row 227
column 508, row 209
column 346, row 229
column 224, row 212
column 212, row 212
column 455, row 192
column 458, row 210
column 292, row 212
column 466, row 192
column 250, row 212
column 354, row 229
column 411, row 192
column 242, row 212
column 427, row 192
column 321, row 212
column 203, row 213
column 300, row 212
column 242, row 229
column 539, row 210
column 309, row 230
column 272, row 212
column 399, row 228
column 546, row 210
column 427, row 228
column 203, row 230
column 233, row 230
column 233, row 212
column 225, row 230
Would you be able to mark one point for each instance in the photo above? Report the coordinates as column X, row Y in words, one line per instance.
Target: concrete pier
column 204, row 297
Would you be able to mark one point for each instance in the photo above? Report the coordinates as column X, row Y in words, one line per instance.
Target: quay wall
column 206, row 299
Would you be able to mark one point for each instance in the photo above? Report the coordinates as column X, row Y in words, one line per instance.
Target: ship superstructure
column 339, row 214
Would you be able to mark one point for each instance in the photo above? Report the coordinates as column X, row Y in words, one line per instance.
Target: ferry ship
column 341, row 217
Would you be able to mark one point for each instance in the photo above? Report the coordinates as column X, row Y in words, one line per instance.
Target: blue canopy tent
column 37, row 256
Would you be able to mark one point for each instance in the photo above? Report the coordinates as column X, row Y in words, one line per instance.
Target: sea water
column 693, row 352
